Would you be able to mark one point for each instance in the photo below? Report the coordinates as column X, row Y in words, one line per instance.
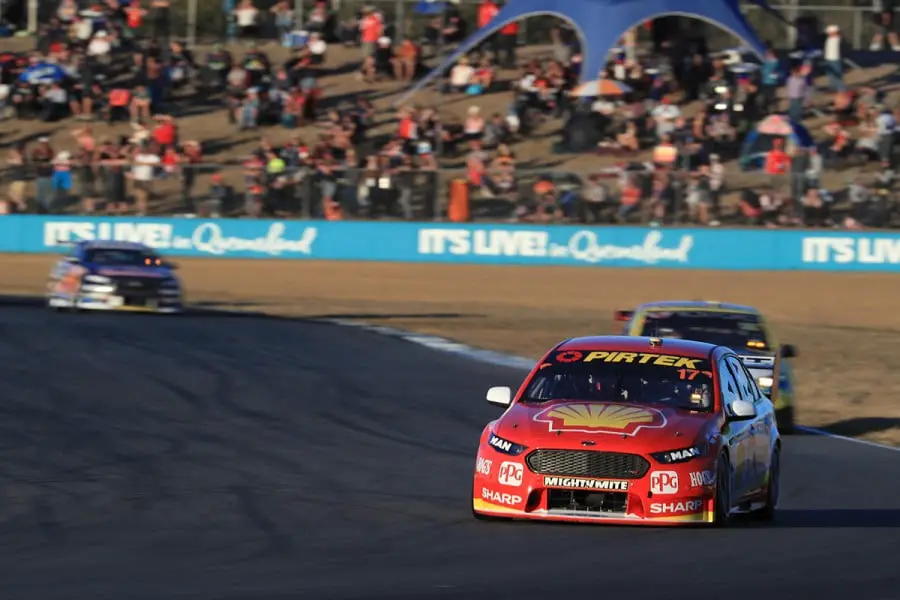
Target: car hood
column 152, row 272
column 615, row 427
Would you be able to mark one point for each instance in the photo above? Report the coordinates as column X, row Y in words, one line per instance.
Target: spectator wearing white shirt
column 246, row 15
column 461, row 75
column 887, row 125
column 143, row 172
column 834, row 62
column 317, row 48
column 814, row 168
column 100, row 45
column 665, row 115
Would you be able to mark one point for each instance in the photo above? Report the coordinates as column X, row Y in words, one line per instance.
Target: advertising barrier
column 730, row 249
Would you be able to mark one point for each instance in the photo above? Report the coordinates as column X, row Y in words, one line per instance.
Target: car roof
column 112, row 245
column 622, row 343
column 698, row 306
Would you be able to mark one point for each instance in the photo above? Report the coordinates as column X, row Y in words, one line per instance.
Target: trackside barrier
column 728, row 249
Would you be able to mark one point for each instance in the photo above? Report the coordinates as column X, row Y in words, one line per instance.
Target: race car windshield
column 115, row 257
column 738, row 331
column 636, row 378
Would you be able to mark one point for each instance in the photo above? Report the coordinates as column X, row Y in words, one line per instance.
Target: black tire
column 784, row 418
column 724, row 492
column 773, row 489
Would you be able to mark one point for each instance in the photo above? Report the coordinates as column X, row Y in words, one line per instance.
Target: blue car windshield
column 736, row 330
column 117, row 257
column 635, row 378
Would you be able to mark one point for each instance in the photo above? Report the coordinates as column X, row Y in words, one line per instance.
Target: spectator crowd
column 673, row 118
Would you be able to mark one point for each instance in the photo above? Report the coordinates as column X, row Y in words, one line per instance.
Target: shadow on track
column 836, row 518
column 859, row 426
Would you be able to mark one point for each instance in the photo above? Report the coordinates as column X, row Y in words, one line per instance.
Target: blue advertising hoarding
column 731, row 249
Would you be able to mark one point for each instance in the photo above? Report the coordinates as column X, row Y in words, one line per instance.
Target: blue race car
column 741, row 328
column 105, row 275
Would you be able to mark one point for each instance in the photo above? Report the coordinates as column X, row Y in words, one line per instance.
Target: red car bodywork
column 510, row 482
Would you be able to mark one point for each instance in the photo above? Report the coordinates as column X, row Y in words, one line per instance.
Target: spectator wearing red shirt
column 509, row 37
column 487, row 10
column 370, row 29
column 134, row 15
column 409, row 129
column 777, row 162
column 165, row 133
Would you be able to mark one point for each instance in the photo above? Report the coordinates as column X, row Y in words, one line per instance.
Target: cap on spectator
column 384, row 41
column 423, row 148
column 832, row 29
column 474, row 110
column 43, row 139
column 543, row 186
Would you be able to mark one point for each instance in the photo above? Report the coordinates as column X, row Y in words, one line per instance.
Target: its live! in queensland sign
column 680, row 248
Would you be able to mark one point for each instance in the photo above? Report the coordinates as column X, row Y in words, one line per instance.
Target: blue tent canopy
column 429, row 7
column 600, row 24
column 759, row 141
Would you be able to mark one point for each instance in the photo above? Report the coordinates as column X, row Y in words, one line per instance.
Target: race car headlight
column 672, row 457
column 97, row 279
column 505, row 446
column 765, row 382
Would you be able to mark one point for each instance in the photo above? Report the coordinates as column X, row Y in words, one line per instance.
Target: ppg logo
column 664, row 482
column 510, row 474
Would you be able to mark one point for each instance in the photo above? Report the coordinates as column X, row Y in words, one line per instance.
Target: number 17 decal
column 691, row 374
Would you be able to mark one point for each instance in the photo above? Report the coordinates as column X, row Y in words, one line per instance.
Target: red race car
column 630, row 430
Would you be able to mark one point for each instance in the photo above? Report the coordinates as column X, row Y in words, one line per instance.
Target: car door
column 736, row 433
column 757, row 452
column 764, row 432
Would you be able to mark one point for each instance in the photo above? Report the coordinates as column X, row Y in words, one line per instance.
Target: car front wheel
column 767, row 513
column 724, row 490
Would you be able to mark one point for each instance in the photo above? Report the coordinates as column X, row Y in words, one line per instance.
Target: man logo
column 510, row 474
column 664, row 482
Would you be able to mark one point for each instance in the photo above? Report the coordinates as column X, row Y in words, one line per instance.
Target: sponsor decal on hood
column 601, row 418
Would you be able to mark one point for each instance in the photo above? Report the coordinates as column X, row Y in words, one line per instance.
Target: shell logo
column 601, row 418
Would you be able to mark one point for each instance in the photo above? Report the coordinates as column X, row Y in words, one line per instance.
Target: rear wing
column 620, row 321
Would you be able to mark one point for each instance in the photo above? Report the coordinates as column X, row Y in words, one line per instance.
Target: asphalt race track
column 232, row 458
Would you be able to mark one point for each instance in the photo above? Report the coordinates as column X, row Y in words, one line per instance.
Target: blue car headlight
column 505, row 446
column 682, row 455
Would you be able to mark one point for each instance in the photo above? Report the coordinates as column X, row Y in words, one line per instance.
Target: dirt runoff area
column 846, row 326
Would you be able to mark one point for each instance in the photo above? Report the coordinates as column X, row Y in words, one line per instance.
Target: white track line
column 520, row 362
column 822, row 432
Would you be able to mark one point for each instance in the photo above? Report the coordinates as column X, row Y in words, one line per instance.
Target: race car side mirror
column 71, row 259
column 171, row 265
column 499, row 396
column 788, row 351
column 742, row 410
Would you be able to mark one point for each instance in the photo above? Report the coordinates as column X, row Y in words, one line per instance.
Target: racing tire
column 784, row 418
column 773, row 488
column 724, row 492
